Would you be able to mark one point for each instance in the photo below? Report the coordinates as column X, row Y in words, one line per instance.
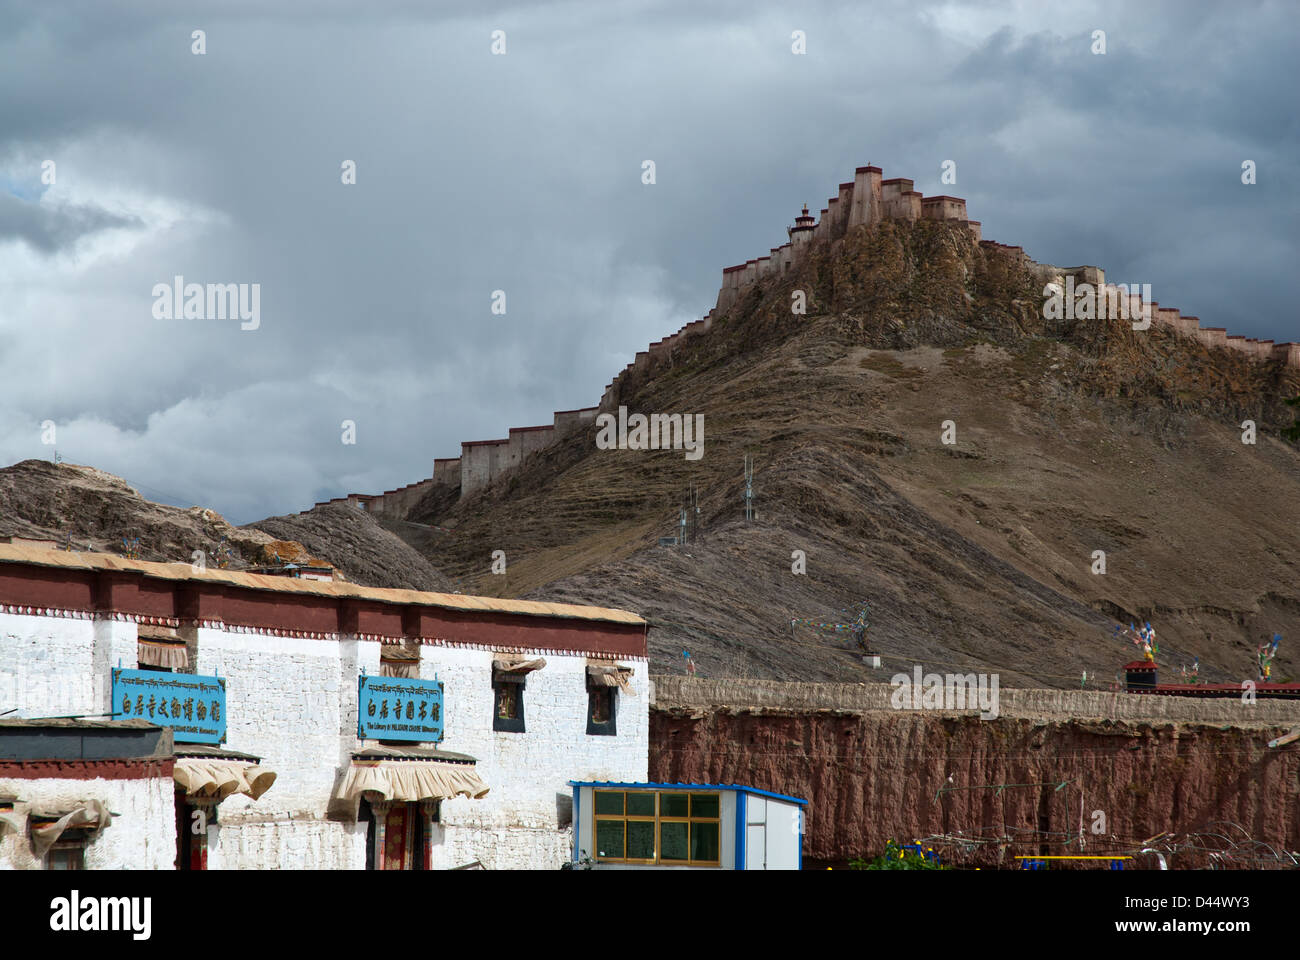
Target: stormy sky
column 522, row 172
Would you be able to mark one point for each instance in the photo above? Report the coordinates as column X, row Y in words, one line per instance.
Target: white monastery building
column 214, row 719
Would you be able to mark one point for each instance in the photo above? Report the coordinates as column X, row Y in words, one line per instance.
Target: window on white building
column 508, row 699
column 59, row 837
column 604, row 680
column 69, row 853
column 161, row 649
column 509, row 680
column 400, row 660
column 601, row 705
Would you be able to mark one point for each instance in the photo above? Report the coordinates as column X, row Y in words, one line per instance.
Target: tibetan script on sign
column 193, row 706
column 391, row 708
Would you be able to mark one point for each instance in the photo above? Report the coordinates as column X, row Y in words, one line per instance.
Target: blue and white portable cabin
column 685, row 826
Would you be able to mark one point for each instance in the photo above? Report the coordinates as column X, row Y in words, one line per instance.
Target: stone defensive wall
column 693, row 693
column 480, row 463
column 1112, row 298
column 862, row 201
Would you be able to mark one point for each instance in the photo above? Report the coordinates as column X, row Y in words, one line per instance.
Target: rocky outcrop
column 82, row 508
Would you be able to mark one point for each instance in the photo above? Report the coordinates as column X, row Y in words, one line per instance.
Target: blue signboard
column 392, row 708
column 193, row 706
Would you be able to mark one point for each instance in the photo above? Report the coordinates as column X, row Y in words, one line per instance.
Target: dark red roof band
column 135, row 594
column 142, row 769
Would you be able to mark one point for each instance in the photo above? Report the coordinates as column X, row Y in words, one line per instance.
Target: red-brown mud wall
column 871, row 777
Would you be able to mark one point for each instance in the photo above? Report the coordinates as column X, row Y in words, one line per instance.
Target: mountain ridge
column 1071, row 437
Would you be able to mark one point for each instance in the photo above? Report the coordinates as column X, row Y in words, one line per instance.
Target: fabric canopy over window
column 400, row 660
column 12, row 820
column 213, row 778
column 425, row 779
column 161, row 647
column 46, row 829
column 610, row 675
column 516, row 667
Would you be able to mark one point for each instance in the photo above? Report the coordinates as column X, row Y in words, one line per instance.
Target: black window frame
column 367, row 816
column 72, row 853
column 608, row 728
column 516, row 723
column 70, row 848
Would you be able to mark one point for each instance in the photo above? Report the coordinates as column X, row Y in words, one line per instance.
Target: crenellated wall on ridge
column 868, row 199
column 526, row 440
column 1112, row 298
column 481, row 462
column 447, row 471
column 865, row 200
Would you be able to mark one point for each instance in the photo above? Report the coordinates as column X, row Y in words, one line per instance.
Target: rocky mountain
column 1071, row 438
column 87, row 509
column 1097, row 474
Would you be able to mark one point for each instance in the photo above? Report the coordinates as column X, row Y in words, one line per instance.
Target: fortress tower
column 804, row 225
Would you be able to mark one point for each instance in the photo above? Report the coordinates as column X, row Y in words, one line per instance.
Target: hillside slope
column 89, row 509
column 351, row 540
column 1070, row 440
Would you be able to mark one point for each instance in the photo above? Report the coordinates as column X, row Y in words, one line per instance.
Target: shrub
column 898, row 857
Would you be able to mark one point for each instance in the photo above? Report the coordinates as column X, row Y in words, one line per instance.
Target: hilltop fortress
column 862, row 201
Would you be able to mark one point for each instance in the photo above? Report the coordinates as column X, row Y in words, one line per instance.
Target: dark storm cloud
column 47, row 229
column 522, row 173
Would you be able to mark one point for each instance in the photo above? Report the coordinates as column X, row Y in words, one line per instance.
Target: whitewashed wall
column 143, row 837
column 293, row 702
column 57, row 666
column 529, row 772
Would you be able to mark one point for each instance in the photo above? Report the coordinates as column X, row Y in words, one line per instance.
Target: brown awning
column 516, row 664
column 610, row 675
column 91, row 815
column 425, row 779
column 14, row 820
column 158, row 650
column 211, row 778
column 400, row 660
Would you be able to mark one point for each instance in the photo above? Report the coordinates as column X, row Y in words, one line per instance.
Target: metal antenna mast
column 689, row 516
column 749, row 487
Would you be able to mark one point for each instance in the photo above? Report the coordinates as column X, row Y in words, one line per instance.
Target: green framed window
column 658, row 827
